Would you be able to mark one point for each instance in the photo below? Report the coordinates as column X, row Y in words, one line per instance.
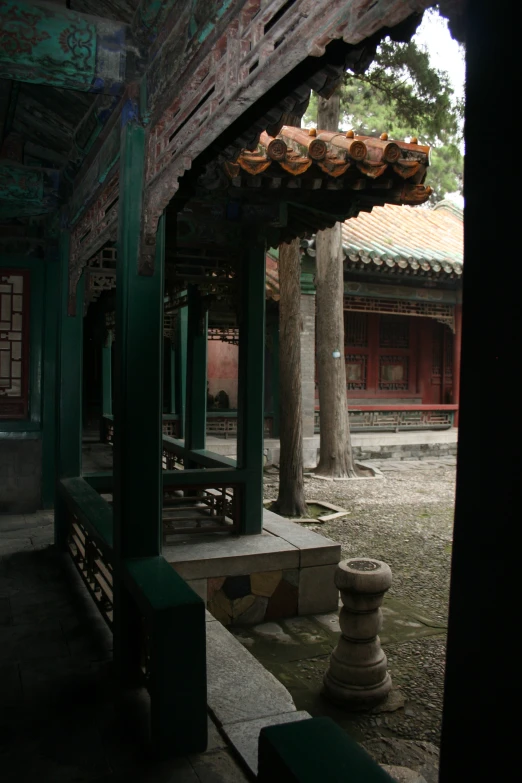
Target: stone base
column 285, row 571
column 365, row 446
column 356, row 698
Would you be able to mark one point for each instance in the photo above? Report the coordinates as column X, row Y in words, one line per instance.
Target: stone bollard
column 357, row 677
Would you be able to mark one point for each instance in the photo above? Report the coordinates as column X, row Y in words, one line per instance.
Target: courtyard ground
column 406, row 519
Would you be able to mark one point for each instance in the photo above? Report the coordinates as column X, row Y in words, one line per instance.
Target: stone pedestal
column 357, row 677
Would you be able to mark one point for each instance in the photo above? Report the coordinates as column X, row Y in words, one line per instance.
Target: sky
column 444, row 53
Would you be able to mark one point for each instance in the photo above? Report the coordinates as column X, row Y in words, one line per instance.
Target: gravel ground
column 405, row 519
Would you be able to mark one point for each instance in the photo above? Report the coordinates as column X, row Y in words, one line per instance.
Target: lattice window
column 393, row 373
column 355, row 371
column 14, row 300
column 356, row 329
column 394, row 331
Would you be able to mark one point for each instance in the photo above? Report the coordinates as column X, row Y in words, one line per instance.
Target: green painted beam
column 92, row 510
column 194, row 477
column 106, row 373
column 172, row 378
column 177, row 682
column 62, row 48
column 308, row 751
column 250, row 425
column 52, row 299
column 196, row 400
column 69, row 368
column 102, row 481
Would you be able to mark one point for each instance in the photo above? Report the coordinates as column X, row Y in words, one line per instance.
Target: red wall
column 222, row 369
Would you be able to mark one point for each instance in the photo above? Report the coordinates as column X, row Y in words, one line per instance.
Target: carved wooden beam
column 47, row 44
column 222, row 78
column 27, row 191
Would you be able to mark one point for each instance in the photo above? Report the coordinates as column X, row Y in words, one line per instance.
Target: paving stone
column 330, row 621
column 403, row 774
column 244, row 736
column 5, row 611
column 317, row 591
column 273, row 631
column 239, row 687
column 216, row 767
column 10, row 687
column 29, row 642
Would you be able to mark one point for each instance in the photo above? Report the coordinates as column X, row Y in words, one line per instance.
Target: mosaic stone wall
column 254, row 598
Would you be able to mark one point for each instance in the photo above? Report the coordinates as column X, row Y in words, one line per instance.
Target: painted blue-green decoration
column 46, row 44
column 27, row 191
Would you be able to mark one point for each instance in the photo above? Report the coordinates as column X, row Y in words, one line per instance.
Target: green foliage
column 402, row 94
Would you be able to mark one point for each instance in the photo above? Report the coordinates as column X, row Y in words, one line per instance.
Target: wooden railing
column 174, row 674
column 219, row 423
column 196, row 500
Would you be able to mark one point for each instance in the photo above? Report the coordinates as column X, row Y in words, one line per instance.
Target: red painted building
column 402, row 299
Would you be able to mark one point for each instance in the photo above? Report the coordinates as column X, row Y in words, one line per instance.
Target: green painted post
column 181, row 369
column 68, row 388
column 196, row 401
column 138, row 398
column 250, row 424
column 274, row 330
column 172, row 370
column 106, row 372
column 51, row 304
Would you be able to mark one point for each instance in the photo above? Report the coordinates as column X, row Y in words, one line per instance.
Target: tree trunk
column 291, row 500
column 336, row 458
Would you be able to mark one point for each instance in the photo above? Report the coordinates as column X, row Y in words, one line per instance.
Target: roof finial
column 350, row 134
column 384, row 137
column 312, row 132
column 414, row 140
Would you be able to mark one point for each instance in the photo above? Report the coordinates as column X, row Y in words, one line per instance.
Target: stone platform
column 365, row 445
column 285, row 571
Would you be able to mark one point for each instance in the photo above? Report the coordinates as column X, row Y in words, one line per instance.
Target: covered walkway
column 62, row 717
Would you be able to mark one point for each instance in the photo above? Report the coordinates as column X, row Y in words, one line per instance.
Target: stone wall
column 406, row 451
column 20, row 475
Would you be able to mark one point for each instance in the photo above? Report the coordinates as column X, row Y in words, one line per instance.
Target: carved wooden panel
column 14, row 343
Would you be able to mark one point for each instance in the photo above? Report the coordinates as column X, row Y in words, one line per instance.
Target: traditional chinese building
column 403, row 284
column 158, row 140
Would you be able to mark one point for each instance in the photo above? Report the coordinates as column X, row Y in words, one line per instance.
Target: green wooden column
column 172, row 375
column 137, row 398
column 49, row 424
column 181, row 369
column 106, row 373
column 251, row 385
column 196, row 400
column 274, row 334
column 69, row 368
